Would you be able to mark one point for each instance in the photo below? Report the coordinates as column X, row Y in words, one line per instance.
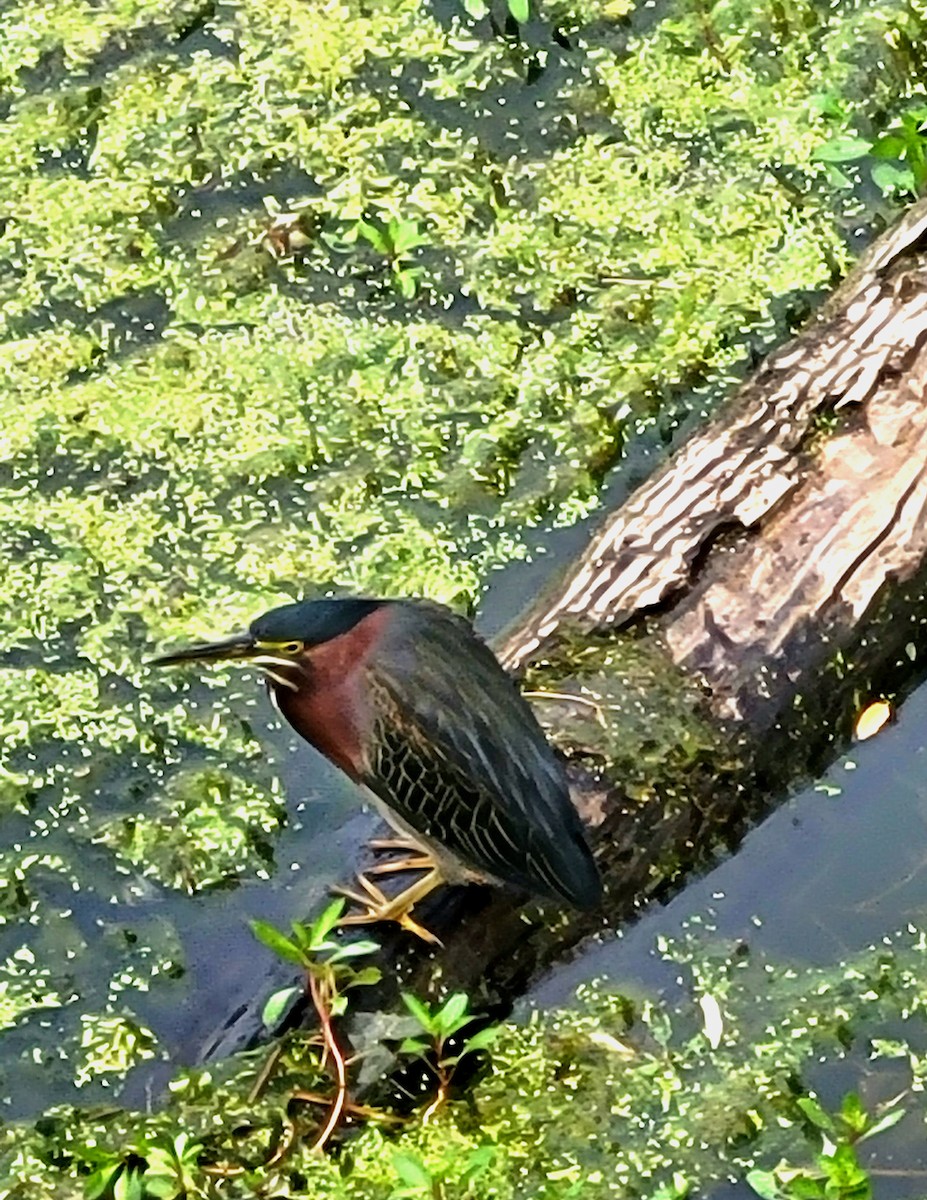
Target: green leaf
column 829, row 104
column 845, row 1177
column 185, row 1148
column 406, row 281
column 677, row 1189
column 323, row 925
column 892, row 1117
column 842, row 149
column 365, row 977
column 660, row 1026
column 413, row 1046
column 520, row 10
column 892, row 180
column 315, row 949
column 816, row 1114
column 890, row 145
column 852, row 1112
column 764, row 1184
column 276, row 1005
column 405, row 235
column 377, row 238
column 482, row 1040
column 478, row 1161
column 277, row 941
column 128, row 1186
column 837, row 178
column 160, row 1162
column 888, row 1048
column 477, row 9
column 101, row 1179
column 420, row 1011
column 163, row 1186
column 354, row 950
column 411, row 1170
column 806, row 1187
column 301, row 935
column 448, row 1017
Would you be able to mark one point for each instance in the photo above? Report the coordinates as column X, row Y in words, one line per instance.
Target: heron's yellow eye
column 281, row 647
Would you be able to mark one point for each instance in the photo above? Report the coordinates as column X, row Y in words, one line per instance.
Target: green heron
column 408, row 702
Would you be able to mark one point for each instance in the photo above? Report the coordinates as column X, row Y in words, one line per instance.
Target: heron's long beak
column 239, row 645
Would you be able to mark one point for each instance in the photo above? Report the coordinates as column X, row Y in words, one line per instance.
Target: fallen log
column 716, row 636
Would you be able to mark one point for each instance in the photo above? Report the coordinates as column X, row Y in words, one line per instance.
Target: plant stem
column 320, row 997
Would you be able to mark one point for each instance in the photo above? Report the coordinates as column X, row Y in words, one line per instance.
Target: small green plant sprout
column 442, row 1023
column 395, row 239
column 115, row 1176
column 164, row 1168
column 837, row 1173
column 324, row 959
column 451, row 1177
column 905, row 141
column 900, row 152
column 171, row 1167
column 330, row 973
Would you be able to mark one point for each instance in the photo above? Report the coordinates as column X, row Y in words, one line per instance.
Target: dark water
column 222, row 958
column 217, row 958
column 823, row 878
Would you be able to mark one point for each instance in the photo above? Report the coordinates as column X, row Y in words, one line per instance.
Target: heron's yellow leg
column 379, row 907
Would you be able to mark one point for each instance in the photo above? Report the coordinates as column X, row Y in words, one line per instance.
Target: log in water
column 709, row 646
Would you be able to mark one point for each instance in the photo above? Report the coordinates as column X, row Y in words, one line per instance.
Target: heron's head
column 280, row 639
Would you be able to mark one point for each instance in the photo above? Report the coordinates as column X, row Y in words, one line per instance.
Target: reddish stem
column 320, row 1000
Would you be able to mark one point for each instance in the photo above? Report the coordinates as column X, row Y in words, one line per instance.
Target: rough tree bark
column 734, row 606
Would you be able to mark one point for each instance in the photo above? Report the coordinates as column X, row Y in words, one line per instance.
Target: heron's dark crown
column 311, row 621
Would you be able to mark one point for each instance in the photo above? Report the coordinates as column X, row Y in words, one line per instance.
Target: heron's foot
column 396, row 843
column 379, row 907
column 419, row 862
column 418, row 859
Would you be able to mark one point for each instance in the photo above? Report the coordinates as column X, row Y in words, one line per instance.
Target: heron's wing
column 458, row 754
